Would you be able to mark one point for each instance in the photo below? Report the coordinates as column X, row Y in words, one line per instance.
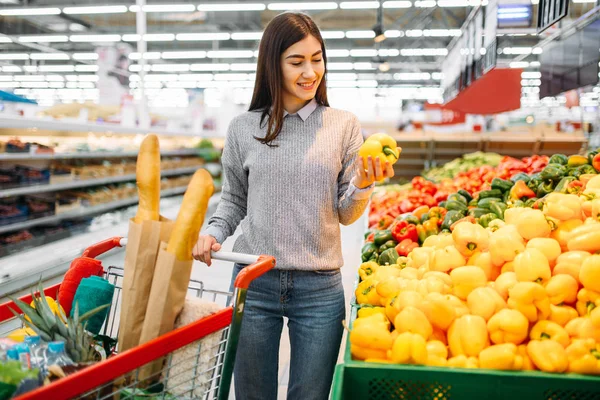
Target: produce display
column 504, row 274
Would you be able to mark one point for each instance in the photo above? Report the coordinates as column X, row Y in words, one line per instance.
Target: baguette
column 191, row 215
column 147, row 172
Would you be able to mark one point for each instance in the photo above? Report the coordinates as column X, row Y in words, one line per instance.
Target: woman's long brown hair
column 281, row 33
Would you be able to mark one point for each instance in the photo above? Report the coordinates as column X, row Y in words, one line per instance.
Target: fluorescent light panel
column 325, row 5
column 14, row 56
column 168, row 55
column 332, row 34
column 246, row 36
column 30, row 11
column 397, row 4
column 49, row 56
column 203, row 36
column 230, row 54
column 94, row 38
column 358, row 5
column 149, row 8
column 360, row 34
column 85, row 56
column 232, row 7
column 95, row 10
column 150, row 37
column 43, row 39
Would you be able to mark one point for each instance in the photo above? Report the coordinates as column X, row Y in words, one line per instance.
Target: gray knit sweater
column 291, row 199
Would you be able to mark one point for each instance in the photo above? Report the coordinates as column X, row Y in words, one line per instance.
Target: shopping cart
column 198, row 358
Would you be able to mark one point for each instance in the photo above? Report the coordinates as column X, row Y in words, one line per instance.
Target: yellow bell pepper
column 420, row 256
column 437, row 353
column 439, row 275
column 485, row 302
column 564, row 268
column 388, row 288
column 483, row 260
column 439, row 335
column 505, row 244
column 439, row 241
column 380, row 145
column 562, row 314
column 402, row 300
column 508, row 326
column 433, row 284
column 466, row 279
column 589, row 274
column 404, row 262
column 367, row 311
column 548, row 355
column 562, row 233
column 543, row 330
column 527, row 363
column 573, row 257
column 470, row 237
column 385, row 272
column 445, row 259
column 460, row 307
column 587, row 300
column 504, row 283
column 584, row 357
column 508, row 267
column 494, row 225
column 367, row 269
column 532, row 266
column 593, row 183
column 531, row 223
column 582, row 328
column 562, row 206
column 585, row 238
column 548, row 246
column 468, row 335
column 439, row 310
column 372, row 320
column 595, row 316
column 503, row 356
column 367, row 294
column 413, row 320
column 409, row 273
column 362, row 353
column 531, row 299
column 409, row 348
column 371, row 335
column 462, row 361
column 562, row 289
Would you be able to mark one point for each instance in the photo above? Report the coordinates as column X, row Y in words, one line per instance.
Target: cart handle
column 102, row 247
column 263, row 265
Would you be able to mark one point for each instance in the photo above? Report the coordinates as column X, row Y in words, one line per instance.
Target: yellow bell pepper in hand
column 531, row 299
column 367, row 269
column 505, row 244
column 367, row 311
column 584, row 357
column 468, row 335
column 363, row 353
column 548, row 355
column 532, row 266
column 380, row 145
column 508, row 326
column 503, row 356
column 587, row 300
column 543, row 330
column 562, row 233
column 462, row 361
column 413, row 320
column 562, row 288
column 548, row 246
column 583, row 328
column 470, row 237
column 485, row 302
column 562, row 206
column 439, row 310
column 589, row 274
column 403, row 299
column 466, row 279
column 483, row 260
column 367, row 294
column 585, row 238
column 504, row 283
column 443, row 260
column 437, row 353
column 420, row 256
column 409, row 348
column 562, row 314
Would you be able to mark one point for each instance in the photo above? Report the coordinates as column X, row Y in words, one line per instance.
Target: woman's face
column 302, row 68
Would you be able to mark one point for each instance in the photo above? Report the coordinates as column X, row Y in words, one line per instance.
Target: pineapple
column 50, row 327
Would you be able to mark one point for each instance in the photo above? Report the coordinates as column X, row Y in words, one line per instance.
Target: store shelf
column 87, row 155
column 51, row 124
column 94, row 182
column 84, row 211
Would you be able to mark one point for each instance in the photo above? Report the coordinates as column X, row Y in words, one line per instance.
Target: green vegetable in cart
column 457, row 197
column 387, row 245
column 498, row 208
column 382, row 236
column 564, row 184
column 442, row 204
column 478, row 212
column 558, row 159
column 554, row 172
column 367, row 251
column 518, row 203
column 545, row 188
column 473, row 203
column 521, row 176
column 456, row 205
column 485, row 220
column 584, row 169
column 490, row 193
column 501, row 185
column 530, row 202
column 487, row 202
column 465, row 194
column 425, row 217
column 451, row 217
column 388, row 257
column 411, row 219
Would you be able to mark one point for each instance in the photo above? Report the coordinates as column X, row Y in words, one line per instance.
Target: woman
column 291, row 176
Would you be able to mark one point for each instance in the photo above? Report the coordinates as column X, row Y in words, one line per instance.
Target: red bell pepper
column 370, row 238
column 440, row 196
column 407, row 205
column 596, row 162
column 403, row 230
column 385, row 222
column 405, row 247
column 575, row 187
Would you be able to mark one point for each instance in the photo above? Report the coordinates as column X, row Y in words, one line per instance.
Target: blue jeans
column 314, row 304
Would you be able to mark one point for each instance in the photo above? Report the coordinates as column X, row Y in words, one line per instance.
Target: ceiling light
column 414, row 33
column 30, row 11
column 85, row 56
column 149, row 8
column 30, row 68
column 412, row 76
column 55, row 78
column 363, row 53
column 360, row 34
column 203, row 36
column 519, row 64
column 195, row 77
column 338, row 53
column 170, row 67
column 243, row 67
column 153, row 55
column 397, row 4
column 343, row 76
column 231, row 54
column 95, row 10
column 5, row 39
column 232, row 77
column 339, row 66
column 14, row 56
column 232, row 7
column 438, row 76
column 534, row 64
column 43, row 39
column 384, row 66
column 30, row 78
column 56, row 68
column 172, row 55
column 424, row 52
column 246, row 36
column 358, row 5
column 209, row 67
column 389, row 52
column 6, row 78
column 150, row 37
column 325, row 5
column 531, row 75
column 95, row 38
column 49, row 56
column 332, row 34
column 11, row 68
column 137, row 68
column 394, row 33
column 425, row 4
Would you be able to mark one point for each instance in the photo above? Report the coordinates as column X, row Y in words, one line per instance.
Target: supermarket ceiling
column 43, row 37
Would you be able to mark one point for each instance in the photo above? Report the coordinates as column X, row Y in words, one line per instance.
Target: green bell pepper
column 457, row 197
column 390, row 256
column 478, row 212
column 545, row 188
column 484, row 194
column 487, row 202
column 584, row 169
column 518, row 203
column 382, row 236
column 534, row 183
column 498, row 208
column 425, row 217
column 387, row 245
column 367, row 251
column 465, row 194
column 501, row 184
column 530, row 202
column 554, row 172
column 451, row 217
column 521, row 176
column 411, row 219
column 473, row 203
column 456, row 205
column 558, row 159
column 486, row 219
column 564, row 183
column 442, row 204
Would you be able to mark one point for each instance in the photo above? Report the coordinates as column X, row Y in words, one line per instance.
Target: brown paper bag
column 143, row 244
column 167, row 296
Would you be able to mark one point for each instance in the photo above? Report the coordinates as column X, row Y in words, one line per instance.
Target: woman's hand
column 203, row 247
column 370, row 170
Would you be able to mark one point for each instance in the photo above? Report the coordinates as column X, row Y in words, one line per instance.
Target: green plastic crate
column 373, row 381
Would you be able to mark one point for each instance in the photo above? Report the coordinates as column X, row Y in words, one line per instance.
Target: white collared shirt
column 305, row 111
